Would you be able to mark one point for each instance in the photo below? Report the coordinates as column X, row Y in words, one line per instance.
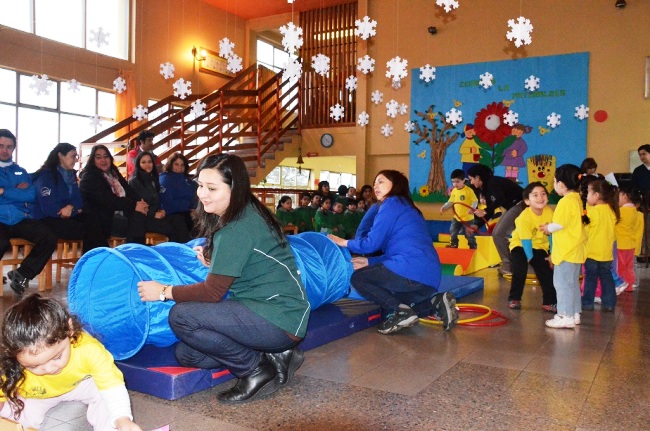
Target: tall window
column 270, row 56
column 42, row 121
column 81, row 23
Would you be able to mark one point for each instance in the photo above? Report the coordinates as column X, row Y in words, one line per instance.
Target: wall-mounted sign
column 214, row 64
column 312, row 154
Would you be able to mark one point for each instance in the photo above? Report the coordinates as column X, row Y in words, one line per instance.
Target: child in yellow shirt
column 463, row 214
column 626, row 235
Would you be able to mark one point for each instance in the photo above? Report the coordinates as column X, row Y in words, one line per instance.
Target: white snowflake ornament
column 140, row 112
column 226, row 47
column 531, row 83
column 99, row 37
column 553, row 120
column 292, row 37
column 321, row 64
column 234, row 63
column 167, row 70
column 95, row 121
column 582, row 112
column 511, row 118
column 292, row 70
column 396, row 68
column 119, row 85
column 396, row 84
column 486, row 80
column 41, row 84
column 337, row 112
column 363, row 119
column 427, row 73
column 403, row 109
column 447, row 4
column 366, row 64
column 391, row 108
column 520, row 32
column 387, row 130
column 351, row 83
column 409, row 126
column 365, row 28
column 454, row 116
column 377, row 97
column 198, row 108
column 73, row 86
column 182, row 88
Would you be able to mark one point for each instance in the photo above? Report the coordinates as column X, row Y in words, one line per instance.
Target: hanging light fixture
column 300, row 161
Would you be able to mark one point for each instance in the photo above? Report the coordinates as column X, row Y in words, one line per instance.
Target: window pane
column 264, row 52
column 17, row 14
column 106, row 104
column 29, row 96
column 289, row 176
column 274, row 176
column 35, row 143
column 280, row 58
column 82, row 102
column 8, row 116
column 105, row 125
column 112, row 16
column 76, row 129
column 7, row 86
column 302, row 178
column 60, row 20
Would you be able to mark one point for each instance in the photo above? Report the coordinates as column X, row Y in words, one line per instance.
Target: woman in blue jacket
column 407, row 270
column 58, row 201
column 177, row 190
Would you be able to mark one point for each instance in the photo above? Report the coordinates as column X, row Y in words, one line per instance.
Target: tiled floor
column 521, row 376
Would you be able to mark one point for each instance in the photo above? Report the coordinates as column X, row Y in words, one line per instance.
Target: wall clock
column 326, row 140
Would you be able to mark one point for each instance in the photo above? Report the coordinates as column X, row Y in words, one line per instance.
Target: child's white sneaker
column 576, row 319
column 561, row 322
column 620, row 289
column 597, row 300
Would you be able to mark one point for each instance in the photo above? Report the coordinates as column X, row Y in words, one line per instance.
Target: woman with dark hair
column 256, row 330
column 107, row 195
column 58, row 200
column 146, row 185
column 177, row 190
column 407, row 271
column 324, row 190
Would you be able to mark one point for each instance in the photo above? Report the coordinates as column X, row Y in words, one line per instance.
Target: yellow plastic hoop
column 461, row 321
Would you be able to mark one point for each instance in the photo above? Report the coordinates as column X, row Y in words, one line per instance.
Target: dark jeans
column 34, row 231
column 457, row 227
column 226, row 333
column 382, row 286
column 503, row 230
column 596, row 270
column 85, row 226
column 519, row 265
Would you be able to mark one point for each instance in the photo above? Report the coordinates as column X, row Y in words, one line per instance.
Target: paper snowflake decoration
column 292, row 39
column 403, row 109
column 95, row 121
column 182, row 88
column 365, row 28
column 292, row 70
column 377, row 97
column 428, row 73
column 198, row 108
column 582, row 112
column 41, row 84
column 553, row 120
column 337, row 112
column 387, row 130
column 167, row 70
column 234, row 63
column 409, row 126
column 454, row 116
column 486, row 80
column 391, row 108
column 226, row 47
column 140, row 112
column 447, row 4
column 520, row 31
column 99, row 37
column 363, row 119
column 366, row 64
column 531, row 83
column 73, row 86
column 396, row 83
column 396, row 68
column 351, row 83
column 321, row 64
column 119, row 85
column 511, row 118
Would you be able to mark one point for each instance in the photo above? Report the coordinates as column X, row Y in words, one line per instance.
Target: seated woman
column 146, row 185
column 407, row 272
column 177, row 190
column 255, row 331
column 107, row 195
column 58, row 200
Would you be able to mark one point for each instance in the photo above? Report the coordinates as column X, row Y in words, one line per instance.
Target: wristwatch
column 162, row 296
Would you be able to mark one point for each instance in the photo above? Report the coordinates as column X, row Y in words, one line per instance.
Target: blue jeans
column 597, row 270
column 382, row 286
column 457, row 227
column 226, row 333
column 566, row 279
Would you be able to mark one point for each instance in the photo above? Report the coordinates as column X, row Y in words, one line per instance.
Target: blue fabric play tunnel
column 102, row 289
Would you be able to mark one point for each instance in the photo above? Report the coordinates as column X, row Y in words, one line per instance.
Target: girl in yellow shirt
column 626, row 234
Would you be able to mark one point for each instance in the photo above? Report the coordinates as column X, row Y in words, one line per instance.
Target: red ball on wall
column 600, row 116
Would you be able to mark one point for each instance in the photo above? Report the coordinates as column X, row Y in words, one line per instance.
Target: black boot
column 286, row 363
column 262, row 381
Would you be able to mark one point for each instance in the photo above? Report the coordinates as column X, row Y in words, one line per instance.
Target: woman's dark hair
column 321, row 185
column 29, row 325
column 400, row 187
column 481, row 171
column 52, row 162
column 608, row 193
column 234, row 173
column 532, row 186
column 588, row 163
column 169, row 166
column 90, row 164
column 283, row 199
column 140, row 173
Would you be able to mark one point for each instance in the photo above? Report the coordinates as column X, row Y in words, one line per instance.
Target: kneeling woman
column 407, row 272
column 255, row 331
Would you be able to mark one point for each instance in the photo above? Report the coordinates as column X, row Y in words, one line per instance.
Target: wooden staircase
column 253, row 116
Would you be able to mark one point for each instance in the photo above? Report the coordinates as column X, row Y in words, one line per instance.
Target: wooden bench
column 20, row 248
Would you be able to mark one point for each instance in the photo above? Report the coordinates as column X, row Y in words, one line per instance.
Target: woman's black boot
column 286, row 363
column 262, row 381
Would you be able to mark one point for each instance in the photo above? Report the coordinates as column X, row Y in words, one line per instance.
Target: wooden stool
column 19, row 245
column 68, row 252
column 152, row 238
column 290, row 230
column 114, row 241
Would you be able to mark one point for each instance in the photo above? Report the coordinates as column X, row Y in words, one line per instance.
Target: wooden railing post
column 221, row 113
column 277, row 113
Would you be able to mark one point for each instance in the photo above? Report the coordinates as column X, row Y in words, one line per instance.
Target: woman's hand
column 160, row 214
column 544, row 228
column 199, row 255
column 66, row 211
column 338, row 241
column 142, row 206
column 149, row 290
column 126, row 424
column 479, row 213
column 359, row 262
